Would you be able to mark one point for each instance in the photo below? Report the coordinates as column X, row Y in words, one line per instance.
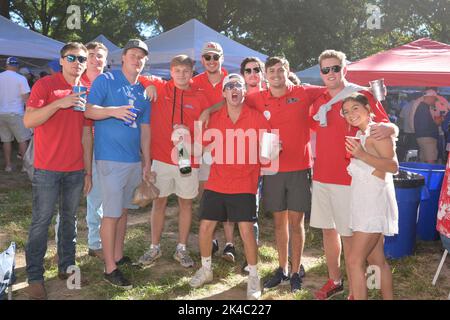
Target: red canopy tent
column 424, row 63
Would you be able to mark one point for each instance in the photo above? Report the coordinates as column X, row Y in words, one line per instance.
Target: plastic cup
column 129, row 123
column 348, row 155
column 78, row 89
column 377, row 87
column 268, row 143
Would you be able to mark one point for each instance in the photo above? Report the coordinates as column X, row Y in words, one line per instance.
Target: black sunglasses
column 207, row 57
column 72, row 58
column 249, row 70
column 335, row 69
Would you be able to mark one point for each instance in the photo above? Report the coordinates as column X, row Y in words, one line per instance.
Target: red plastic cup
column 348, row 155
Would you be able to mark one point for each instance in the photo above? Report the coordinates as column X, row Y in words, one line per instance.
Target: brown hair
column 251, row 59
column 361, row 99
column 271, row 61
column 72, row 46
column 328, row 54
column 94, row 45
column 182, row 60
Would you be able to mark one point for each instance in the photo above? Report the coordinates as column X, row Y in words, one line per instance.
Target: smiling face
column 356, row 113
column 212, row 65
column 277, row 75
column 96, row 59
column 332, row 80
column 181, row 75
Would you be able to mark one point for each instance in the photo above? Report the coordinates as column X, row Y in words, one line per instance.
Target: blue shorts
column 118, row 180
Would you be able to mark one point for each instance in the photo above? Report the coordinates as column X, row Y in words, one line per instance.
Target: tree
column 4, row 8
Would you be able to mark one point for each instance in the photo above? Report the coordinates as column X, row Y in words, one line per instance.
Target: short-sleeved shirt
column 12, row 87
column 57, row 142
column 241, row 174
column 212, row 92
column 424, row 124
column 290, row 115
column 173, row 107
column 115, row 141
column 330, row 165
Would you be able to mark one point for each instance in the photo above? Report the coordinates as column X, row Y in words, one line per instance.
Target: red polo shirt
column 57, row 142
column 189, row 102
column 290, row 115
column 330, row 165
column 231, row 173
column 212, row 93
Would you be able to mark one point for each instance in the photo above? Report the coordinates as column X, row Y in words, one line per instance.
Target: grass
column 168, row 280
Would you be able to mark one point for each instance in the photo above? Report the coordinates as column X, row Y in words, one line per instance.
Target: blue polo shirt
column 114, row 141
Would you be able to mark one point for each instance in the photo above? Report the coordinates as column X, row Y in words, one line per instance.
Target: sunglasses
column 327, row 70
column 232, row 85
column 255, row 69
column 71, row 58
column 216, row 57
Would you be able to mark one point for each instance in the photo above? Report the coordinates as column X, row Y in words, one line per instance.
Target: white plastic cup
column 377, row 88
column 269, row 143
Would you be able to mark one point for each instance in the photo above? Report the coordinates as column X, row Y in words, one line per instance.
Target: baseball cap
column 12, row 61
column 233, row 77
column 24, row 71
column 430, row 93
column 213, row 47
column 135, row 43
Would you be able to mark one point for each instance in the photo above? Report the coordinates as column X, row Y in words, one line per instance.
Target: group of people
column 133, row 127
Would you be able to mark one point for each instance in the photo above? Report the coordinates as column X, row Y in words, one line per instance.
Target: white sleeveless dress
column 373, row 206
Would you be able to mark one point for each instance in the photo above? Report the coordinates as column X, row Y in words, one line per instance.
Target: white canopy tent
column 108, row 44
column 22, row 42
column 188, row 39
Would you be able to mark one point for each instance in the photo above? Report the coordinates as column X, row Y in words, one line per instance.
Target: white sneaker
column 201, row 277
column 253, row 288
column 8, row 169
column 150, row 256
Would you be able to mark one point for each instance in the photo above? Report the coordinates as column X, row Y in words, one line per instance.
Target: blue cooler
column 434, row 175
column 408, row 188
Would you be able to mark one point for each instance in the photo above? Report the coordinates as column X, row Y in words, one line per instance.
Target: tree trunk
column 4, row 8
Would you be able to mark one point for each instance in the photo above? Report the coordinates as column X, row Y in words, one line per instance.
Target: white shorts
column 330, row 207
column 169, row 180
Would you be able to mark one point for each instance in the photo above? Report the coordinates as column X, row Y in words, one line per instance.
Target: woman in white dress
column 373, row 207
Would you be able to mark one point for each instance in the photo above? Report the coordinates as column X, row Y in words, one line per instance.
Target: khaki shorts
column 169, row 180
column 428, row 149
column 331, row 207
column 11, row 125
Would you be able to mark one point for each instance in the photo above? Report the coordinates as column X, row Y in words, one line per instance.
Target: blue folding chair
column 7, row 276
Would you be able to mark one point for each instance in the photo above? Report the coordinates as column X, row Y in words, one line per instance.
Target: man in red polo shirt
column 210, row 82
column 287, row 193
column 62, row 162
column 230, row 192
column 331, row 182
column 178, row 105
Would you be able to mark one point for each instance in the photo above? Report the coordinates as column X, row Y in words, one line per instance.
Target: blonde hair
column 328, row 54
column 182, row 60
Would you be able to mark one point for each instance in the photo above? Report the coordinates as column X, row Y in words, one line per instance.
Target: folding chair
column 7, row 276
column 441, row 264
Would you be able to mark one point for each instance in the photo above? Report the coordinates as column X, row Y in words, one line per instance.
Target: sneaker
column 36, row 291
column 302, row 272
column 98, row 253
column 229, row 253
column 182, row 256
column 125, row 260
column 150, row 256
column 296, row 282
column 215, row 247
column 277, row 279
column 117, row 279
column 8, row 169
column 329, row 290
column 253, row 288
column 201, row 277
